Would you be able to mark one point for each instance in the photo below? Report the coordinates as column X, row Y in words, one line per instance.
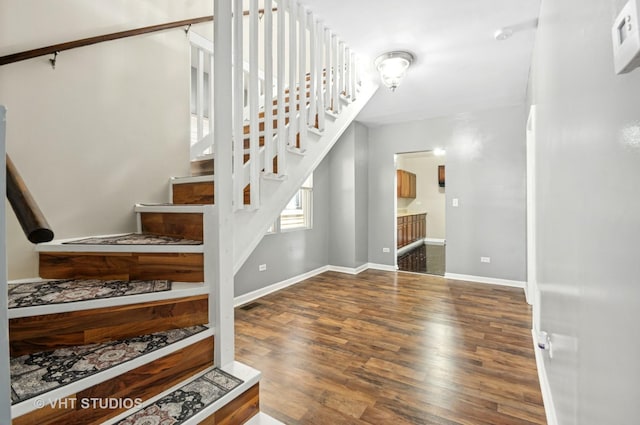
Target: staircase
column 119, row 328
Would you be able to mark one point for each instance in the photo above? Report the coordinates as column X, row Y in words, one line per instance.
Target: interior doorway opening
column 420, row 212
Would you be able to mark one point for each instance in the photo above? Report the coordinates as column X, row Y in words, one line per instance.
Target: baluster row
column 314, row 70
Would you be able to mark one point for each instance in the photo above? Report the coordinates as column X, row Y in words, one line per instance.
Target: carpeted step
column 54, row 386
column 40, row 331
column 123, row 257
column 220, row 396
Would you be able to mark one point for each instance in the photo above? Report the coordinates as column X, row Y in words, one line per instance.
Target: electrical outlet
column 262, row 267
column 485, row 259
column 386, row 250
column 455, row 202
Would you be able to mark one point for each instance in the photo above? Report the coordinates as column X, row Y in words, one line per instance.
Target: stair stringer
column 250, row 226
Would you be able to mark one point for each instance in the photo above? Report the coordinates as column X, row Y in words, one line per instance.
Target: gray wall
column 588, row 151
column 339, row 233
column 362, row 194
column 349, row 198
column 291, row 253
column 485, row 171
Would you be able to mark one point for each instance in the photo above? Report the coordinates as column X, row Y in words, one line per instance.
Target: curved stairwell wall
column 104, row 129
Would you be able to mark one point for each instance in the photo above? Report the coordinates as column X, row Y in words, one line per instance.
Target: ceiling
column 460, row 66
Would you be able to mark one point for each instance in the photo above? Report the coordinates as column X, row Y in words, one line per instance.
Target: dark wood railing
column 33, row 222
column 56, row 48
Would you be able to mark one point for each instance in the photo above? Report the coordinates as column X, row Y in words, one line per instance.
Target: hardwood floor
column 392, row 348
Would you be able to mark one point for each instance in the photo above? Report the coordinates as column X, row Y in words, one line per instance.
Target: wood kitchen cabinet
column 406, row 184
column 411, row 227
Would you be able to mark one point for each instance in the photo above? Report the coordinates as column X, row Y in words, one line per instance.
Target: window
column 298, row 212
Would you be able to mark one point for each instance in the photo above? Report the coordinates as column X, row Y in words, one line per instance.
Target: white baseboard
column 549, row 407
column 383, row 267
column 490, row 280
column 259, row 293
column 435, row 241
column 349, row 270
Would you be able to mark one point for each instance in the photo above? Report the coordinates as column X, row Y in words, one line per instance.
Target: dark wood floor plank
column 401, row 348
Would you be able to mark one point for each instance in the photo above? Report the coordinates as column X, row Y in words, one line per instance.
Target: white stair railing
column 201, row 123
column 314, row 73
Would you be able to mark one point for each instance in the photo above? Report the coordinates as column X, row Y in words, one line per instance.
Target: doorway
column 420, row 212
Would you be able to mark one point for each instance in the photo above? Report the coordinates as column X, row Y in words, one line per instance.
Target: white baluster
column 347, row 72
column 335, row 99
column 354, row 88
column 340, row 74
column 311, row 120
column 328, row 71
column 269, row 150
column 238, row 108
column 200, row 95
column 319, row 75
column 211, row 95
column 293, row 99
column 282, row 130
column 302, row 80
column 254, row 99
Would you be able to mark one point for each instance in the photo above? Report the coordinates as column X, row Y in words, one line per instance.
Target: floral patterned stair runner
column 186, row 401
column 134, row 239
column 29, row 294
column 35, row 374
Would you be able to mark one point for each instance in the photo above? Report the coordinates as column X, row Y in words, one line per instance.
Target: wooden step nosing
column 171, row 209
column 249, row 375
column 178, row 290
column 59, row 245
column 31, row 404
column 194, row 179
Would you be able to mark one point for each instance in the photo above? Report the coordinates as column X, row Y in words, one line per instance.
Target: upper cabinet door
column 406, row 184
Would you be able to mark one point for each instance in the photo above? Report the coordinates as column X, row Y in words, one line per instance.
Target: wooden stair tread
column 31, row 334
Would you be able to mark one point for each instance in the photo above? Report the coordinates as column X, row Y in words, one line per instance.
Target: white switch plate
column 262, row 267
column 485, row 259
column 454, row 202
column 625, row 34
column 386, row 250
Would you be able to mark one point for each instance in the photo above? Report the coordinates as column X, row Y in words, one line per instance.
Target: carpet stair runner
column 116, row 331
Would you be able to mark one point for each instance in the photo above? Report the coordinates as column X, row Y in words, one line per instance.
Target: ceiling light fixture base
column 393, row 66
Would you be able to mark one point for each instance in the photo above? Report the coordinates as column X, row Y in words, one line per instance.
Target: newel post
column 220, row 268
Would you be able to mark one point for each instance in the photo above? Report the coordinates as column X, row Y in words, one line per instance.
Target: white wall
column 430, row 197
column 588, row 209
column 107, row 127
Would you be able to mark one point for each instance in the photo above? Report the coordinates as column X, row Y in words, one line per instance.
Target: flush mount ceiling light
column 393, row 66
column 503, row 33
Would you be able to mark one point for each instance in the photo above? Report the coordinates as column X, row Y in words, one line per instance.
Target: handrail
column 33, row 222
column 56, row 48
